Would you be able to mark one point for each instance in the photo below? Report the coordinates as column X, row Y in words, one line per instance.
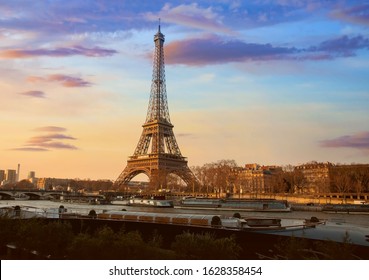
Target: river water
column 83, row 208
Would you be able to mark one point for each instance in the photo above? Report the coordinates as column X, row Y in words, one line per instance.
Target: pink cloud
column 58, row 52
column 58, row 145
column 213, row 49
column 50, row 128
column 358, row 14
column 37, row 140
column 65, row 80
column 358, row 141
column 191, row 16
column 35, row 79
column 30, row 149
column 49, row 141
column 33, row 93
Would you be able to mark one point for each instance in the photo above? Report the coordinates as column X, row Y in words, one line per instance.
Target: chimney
column 18, row 172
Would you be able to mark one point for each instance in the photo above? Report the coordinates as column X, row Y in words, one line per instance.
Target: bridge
column 31, row 193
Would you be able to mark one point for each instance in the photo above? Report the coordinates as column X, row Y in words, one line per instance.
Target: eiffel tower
column 157, row 153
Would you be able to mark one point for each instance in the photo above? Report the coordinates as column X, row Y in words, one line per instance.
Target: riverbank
column 317, row 199
column 352, row 218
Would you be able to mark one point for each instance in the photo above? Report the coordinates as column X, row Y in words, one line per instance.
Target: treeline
column 349, row 179
column 227, row 177
column 352, row 178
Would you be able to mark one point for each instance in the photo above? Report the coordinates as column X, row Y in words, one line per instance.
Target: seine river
column 351, row 218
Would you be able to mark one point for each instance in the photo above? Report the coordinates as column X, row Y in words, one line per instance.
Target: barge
column 140, row 201
column 346, row 208
column 259, row 205
column 310, row 229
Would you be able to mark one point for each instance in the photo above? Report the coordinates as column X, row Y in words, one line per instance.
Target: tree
column 24, row 185
column 200, row 174
column 293, row 179
column 205, row 247
column 218, row 176
column 341, row 181
column 278, row 182
column 360, row 176
column 174, row 182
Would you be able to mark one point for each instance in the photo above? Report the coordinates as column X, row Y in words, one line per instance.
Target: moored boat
column 155, row 201
column 263, row 205
column 346, row 208
column 312, row 228
column 29, row 212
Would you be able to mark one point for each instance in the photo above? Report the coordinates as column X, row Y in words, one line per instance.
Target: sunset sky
column 258, row 81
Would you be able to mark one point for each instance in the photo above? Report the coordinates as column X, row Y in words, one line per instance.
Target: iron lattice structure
column 157, row 153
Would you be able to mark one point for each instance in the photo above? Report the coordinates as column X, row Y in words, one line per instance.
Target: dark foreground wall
column 252, row 245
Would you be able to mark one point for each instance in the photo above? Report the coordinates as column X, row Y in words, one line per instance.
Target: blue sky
column 271, row 82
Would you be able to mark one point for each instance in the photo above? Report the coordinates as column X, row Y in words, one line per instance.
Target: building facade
column 255, row 178
column 52, row 183
column 2, row 176
column 11, row 176
column 32, row 177
column 316, row 175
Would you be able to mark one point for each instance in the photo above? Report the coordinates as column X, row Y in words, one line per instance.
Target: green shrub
column 205, row 246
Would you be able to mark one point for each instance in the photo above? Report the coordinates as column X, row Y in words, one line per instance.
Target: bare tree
column 200, row 174
column 340, row 179
column 216, row 177
column 293, row 179
column 278, row 183
column 359, row 175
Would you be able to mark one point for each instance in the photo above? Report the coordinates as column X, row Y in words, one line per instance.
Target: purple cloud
column 358, row 141
column 25, row 149
column 357, row 14
column 213, row 49
column 39, row 140
column 50, row 128
column 65, row 80
column 33, row 93
column 193, row 16
column 58, row 145
column 58, row 18
column 58, row 52
column 342, row 46
column 48, row 141
column 185, row 134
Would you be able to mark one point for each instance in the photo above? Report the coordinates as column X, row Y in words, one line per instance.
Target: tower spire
column 158, row 104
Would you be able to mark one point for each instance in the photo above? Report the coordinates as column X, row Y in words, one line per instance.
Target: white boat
column 151, row 202
column 29, row 212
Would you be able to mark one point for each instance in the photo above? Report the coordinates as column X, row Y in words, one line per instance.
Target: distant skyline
column 260, row 81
